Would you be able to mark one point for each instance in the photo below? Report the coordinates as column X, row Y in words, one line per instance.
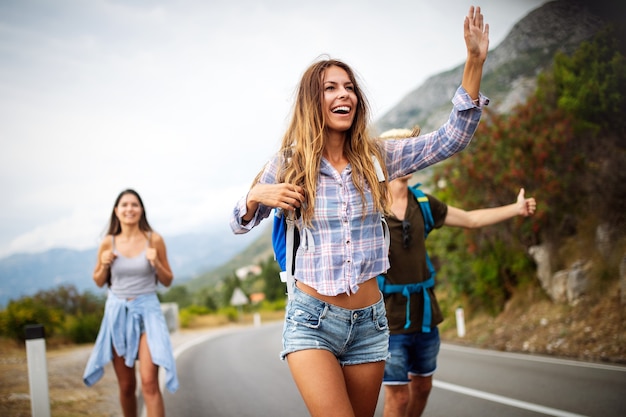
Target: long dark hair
column 115, row 228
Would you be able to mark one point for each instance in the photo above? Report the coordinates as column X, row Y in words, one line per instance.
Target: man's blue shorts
column 411, row 354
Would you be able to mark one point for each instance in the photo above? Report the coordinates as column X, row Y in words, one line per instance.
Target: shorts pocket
column 380, row 320
column 300, row 314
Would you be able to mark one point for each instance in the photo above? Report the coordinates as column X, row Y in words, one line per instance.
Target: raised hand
column 151, row 255
column 476, row 34
column 107, row 258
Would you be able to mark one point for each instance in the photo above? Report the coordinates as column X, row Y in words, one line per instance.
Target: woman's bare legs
column 149, row 372
column 128, row 385
column 330, row 390
column 363, row 382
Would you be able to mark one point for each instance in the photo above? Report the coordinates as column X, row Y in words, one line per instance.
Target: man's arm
column 484, row 217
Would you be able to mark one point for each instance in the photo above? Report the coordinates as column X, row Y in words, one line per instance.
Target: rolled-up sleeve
column 241, row 209
column 406, row 156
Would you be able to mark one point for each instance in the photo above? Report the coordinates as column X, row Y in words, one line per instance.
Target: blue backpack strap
column 285, row 240
column 279, row 229
column 407, row 290
column 429, row 222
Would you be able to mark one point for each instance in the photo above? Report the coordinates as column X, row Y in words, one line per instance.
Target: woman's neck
column 130, row 231
column 333, row 151
column 399, row 198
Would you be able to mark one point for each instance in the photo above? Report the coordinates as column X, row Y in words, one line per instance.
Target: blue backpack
column 408, row 289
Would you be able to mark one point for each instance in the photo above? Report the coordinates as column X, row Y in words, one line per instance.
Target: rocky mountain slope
column 511, row 68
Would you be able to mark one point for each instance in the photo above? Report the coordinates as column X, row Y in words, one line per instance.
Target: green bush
column 231, row 313
column 83, row 328
column 276, row 305
column 197, row 310
column 26, row 311
column 185, row 317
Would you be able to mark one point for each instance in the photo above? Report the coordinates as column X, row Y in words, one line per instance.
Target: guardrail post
column 37, row 370
column 170, row 312
column 460, row 322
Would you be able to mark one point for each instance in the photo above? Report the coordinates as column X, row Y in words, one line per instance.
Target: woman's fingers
column 283, row 195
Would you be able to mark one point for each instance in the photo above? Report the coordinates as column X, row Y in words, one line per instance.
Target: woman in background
column 132, row 261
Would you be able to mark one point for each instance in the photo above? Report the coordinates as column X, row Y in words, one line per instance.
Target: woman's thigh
column 149, row 371
column 320, row 380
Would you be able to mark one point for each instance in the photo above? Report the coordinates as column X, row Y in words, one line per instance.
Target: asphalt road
column 237, row 373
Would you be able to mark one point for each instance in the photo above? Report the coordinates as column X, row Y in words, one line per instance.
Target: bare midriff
column 367, row 295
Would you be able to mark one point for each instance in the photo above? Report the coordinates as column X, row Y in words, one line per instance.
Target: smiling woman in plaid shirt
column 335, row 336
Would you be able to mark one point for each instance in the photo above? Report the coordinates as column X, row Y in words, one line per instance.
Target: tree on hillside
column 591, row 88
column 69, row 300
column 274, row 288
column 178, row 294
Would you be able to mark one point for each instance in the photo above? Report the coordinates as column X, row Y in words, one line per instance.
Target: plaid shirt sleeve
column 267, row 177
column 409, row 155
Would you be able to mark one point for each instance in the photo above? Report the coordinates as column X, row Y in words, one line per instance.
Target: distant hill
column 259, row 250
column 510, row 75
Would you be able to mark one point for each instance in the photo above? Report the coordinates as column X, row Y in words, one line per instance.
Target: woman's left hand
column 151, row 256
column 476, row 34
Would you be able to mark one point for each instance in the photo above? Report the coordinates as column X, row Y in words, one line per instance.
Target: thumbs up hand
column 526, row 206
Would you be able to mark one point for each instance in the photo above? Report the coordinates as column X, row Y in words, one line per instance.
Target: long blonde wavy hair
column 303, row 143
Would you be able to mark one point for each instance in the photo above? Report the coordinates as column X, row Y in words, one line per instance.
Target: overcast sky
column 185, row 100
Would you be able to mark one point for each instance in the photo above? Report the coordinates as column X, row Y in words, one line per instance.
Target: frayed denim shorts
column 353, row 336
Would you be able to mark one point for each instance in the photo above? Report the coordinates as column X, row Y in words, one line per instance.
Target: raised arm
column 476, row 34
column 485, row 217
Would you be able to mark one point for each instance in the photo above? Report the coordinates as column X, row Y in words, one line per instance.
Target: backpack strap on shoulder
column 286, row 240
column 287, row 275
column 381, row 178
column 429, row 222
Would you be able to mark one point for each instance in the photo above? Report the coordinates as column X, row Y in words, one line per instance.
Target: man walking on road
column 408, row 290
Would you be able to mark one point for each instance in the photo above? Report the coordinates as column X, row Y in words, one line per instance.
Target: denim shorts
column 412, row 353
column 353, row 336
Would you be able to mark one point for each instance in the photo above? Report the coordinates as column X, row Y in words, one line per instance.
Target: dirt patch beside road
column 69, row 397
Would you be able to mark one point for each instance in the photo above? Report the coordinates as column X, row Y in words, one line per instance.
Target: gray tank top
column 131, row 277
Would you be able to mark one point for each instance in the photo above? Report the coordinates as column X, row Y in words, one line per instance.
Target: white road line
column 533, row 357
column 504, row 400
